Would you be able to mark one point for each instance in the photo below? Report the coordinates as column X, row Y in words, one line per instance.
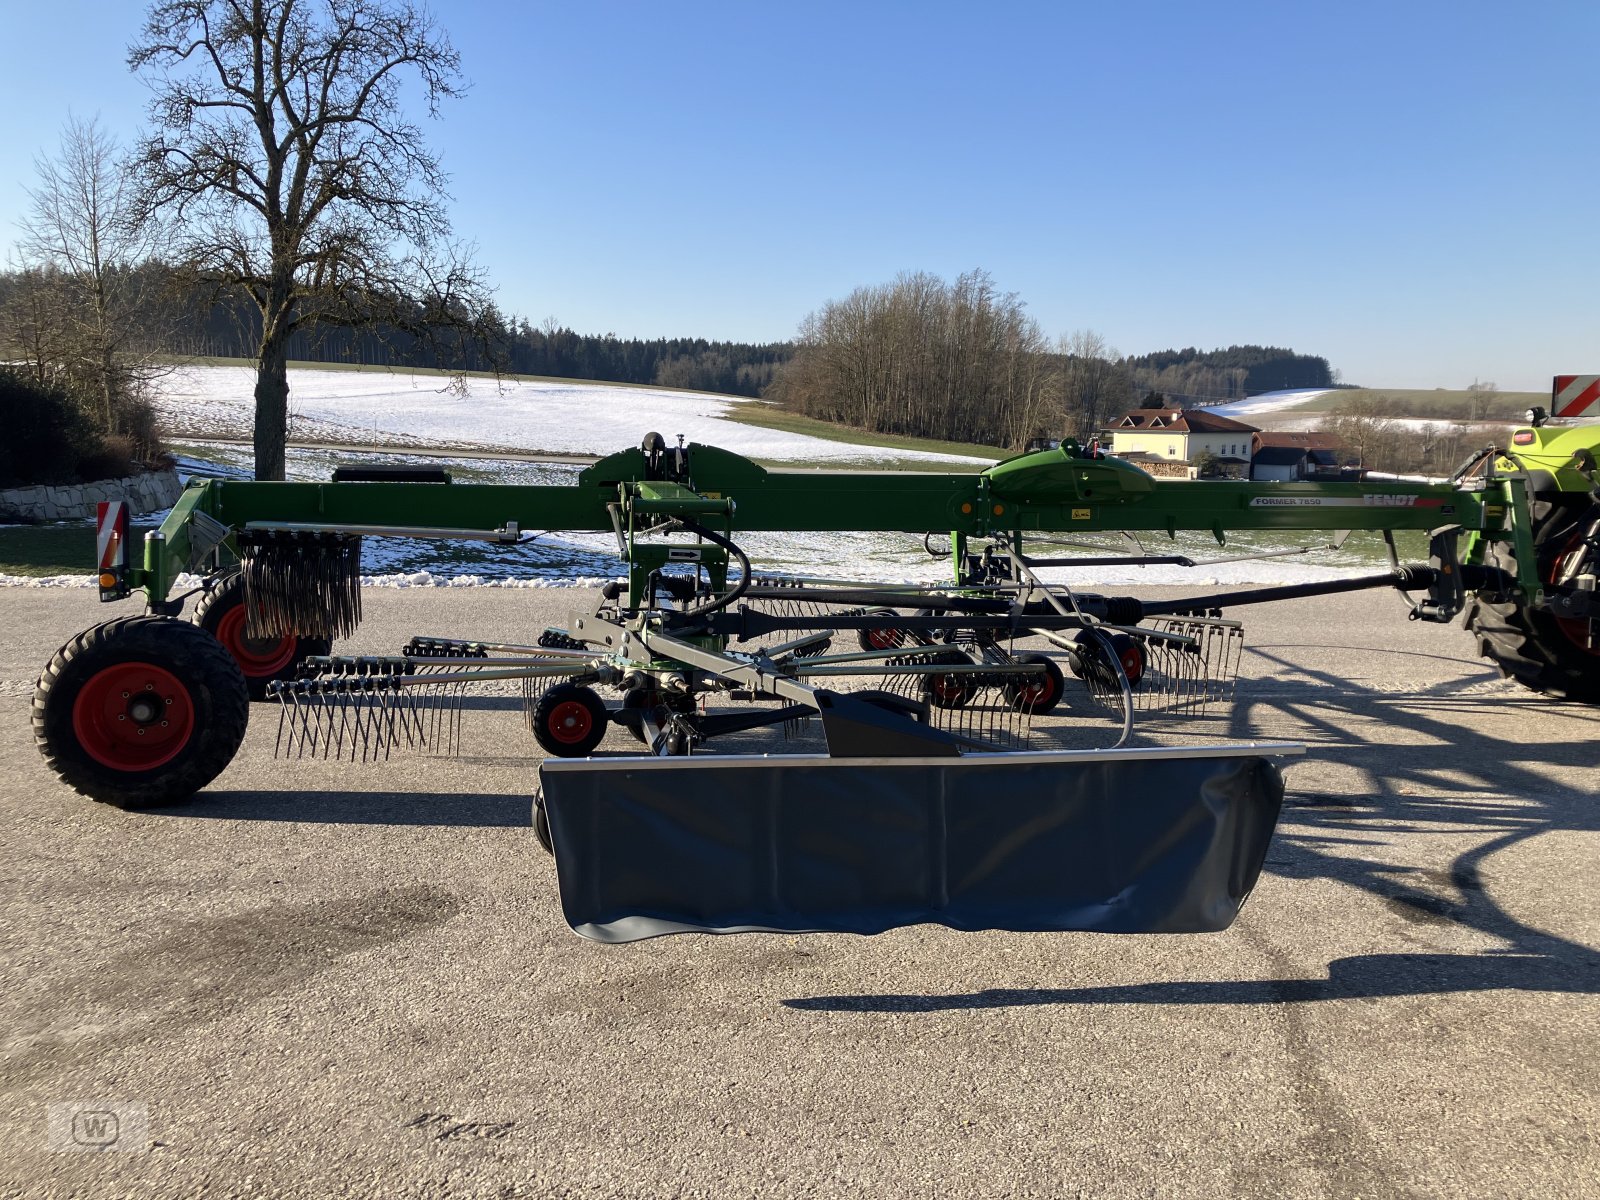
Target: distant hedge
column 46, row 437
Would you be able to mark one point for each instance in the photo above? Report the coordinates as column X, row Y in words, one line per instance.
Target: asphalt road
column 329, row 979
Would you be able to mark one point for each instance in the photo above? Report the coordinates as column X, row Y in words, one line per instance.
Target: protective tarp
column 1119, row 841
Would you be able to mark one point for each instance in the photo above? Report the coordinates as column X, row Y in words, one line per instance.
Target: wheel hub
column 133, row 716
column 570, row 722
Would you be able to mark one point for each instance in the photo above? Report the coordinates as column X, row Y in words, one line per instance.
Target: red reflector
column 1524, row 437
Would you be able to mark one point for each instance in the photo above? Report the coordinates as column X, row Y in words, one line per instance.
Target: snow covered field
column 1267, row 402
column 574, row 418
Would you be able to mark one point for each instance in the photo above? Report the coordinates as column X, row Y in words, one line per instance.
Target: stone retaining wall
column 147, row 493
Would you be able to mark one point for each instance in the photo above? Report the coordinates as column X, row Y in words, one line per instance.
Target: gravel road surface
column 327, row 979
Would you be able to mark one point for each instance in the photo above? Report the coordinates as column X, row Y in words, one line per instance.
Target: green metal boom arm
column 1051, row 491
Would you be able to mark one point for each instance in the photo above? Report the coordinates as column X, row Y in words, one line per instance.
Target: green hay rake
column 933, row 795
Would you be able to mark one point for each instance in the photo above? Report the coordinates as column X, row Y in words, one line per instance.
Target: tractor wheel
column 1559, row 656
column 140, row 711
column 221, row 613
column 570, row 720
column 1041, row 695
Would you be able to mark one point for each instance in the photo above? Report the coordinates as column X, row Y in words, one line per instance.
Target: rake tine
column 283, row 713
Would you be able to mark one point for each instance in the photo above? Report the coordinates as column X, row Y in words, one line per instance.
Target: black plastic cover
column 1121, row 841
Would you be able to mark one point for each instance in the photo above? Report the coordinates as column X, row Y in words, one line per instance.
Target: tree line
column 1218, row 376
column 230, row 327
column 964, row 361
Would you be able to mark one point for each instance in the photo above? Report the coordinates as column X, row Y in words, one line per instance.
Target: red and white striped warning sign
column 1573, row 393
column 111, row 534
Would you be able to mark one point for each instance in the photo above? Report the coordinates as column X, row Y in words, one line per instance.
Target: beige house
column 1180, row 435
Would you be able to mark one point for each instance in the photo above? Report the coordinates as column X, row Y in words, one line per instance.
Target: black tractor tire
column 570, row 720
column 1534, row 648
column 1042, row 695
column 140, row 711
column 221, row 613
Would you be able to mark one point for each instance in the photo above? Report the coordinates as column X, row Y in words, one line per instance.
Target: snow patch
column 1267, row 402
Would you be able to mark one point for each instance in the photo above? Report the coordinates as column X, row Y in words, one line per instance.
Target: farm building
column 1180, row 435
column 1294, row 456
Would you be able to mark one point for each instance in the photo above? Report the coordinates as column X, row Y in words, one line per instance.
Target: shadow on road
column 1425, row 776
column 460, row 809
column 1363, row 976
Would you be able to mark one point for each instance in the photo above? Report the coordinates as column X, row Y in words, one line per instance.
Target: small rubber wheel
column 1043, row 692
column 140, row 711
column 880, row 639
column 1092, row 651
column 635, row 704
column 947, row 691
column 221, row 613
column 570, row 720
column 1130, row 653
column 541, row 824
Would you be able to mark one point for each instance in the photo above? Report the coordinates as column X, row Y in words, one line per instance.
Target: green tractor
column 1551, row 643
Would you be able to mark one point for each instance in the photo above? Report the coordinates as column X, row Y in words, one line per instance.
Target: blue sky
column 1406, row 188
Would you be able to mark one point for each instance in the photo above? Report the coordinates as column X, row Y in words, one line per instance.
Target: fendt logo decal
column 1573, row 393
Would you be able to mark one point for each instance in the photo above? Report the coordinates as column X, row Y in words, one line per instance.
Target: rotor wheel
column 1043, row 692
column 1554, row 655
column 140, row 711
column 221, row 613
column 570, row 720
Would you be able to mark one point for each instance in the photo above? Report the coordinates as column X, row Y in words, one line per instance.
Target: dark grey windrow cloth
column 1112, row 841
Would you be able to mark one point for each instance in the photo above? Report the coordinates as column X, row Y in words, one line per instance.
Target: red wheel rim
column 1040, row 694
column 948, row 688
column 133, row 716
column 570, row 722
column 257, row 657
column 1133, row 664
column 883, row 639
column 1580, row 631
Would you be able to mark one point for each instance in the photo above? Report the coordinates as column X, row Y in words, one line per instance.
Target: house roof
column 1308, row 440
column 1279, row 456
column 1189, row 420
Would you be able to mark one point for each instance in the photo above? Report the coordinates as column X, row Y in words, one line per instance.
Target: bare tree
column 1094, row 385
column 92, row 302
column 1482, row 399
column 1361, row 423
column 923, row 357
column 294, row 176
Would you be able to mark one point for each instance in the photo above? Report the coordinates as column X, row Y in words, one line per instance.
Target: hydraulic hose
column 745, row 573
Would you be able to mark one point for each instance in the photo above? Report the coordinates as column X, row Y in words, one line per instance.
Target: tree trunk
column 272, row 406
